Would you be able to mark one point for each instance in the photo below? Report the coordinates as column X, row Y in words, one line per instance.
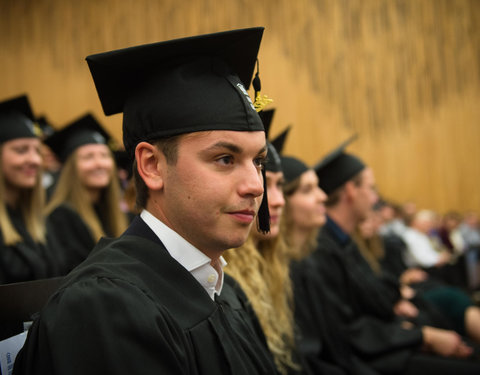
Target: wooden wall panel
column 403, row 74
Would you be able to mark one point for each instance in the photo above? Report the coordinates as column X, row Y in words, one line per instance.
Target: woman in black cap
column 320, row 342
column 86, row 202
column 260, row 267
column 23, row 254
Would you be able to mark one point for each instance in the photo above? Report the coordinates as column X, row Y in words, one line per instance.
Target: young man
column 376, row 334
column 149, row 302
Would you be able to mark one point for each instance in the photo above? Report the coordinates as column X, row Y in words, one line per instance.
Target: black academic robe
column 322, row 341
column 72, row 238
column 27, row 260
column 131, row 308
column 375, row 334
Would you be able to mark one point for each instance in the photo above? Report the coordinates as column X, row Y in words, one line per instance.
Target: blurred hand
column 406, row 309
column 413, row 275
column 445, row 343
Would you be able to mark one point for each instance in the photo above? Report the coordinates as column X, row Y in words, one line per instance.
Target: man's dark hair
column 334, row 196
column 169, row 147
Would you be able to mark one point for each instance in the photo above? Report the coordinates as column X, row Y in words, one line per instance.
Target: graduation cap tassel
column 261, row 101
column 263, row 218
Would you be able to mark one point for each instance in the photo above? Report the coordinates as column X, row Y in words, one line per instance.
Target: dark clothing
column 322, row 341
column 131, row 308
column 450, row 300
column 376, row 334
column 73, row 238
column 27, row 260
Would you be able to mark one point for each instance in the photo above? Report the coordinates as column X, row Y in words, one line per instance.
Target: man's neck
column 343, row 217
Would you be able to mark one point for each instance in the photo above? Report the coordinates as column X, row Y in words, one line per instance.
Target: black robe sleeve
column 70, row 238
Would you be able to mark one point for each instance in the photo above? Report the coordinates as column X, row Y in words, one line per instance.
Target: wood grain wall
column 403, row 74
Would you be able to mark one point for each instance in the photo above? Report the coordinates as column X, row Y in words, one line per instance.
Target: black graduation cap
column 292, row 168
column 16, row 119
column 123, row 161
column 45, row 126
column 267, row 117
column 82, row 131
column 280, row 139
column 180, row 86
column 338, row 167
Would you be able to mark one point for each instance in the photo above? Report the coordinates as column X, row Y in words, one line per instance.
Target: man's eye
column 20, row 150
column 225, row 160
column 260, row 162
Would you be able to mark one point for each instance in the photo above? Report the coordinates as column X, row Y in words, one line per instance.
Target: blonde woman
column 23, row 253
column 260, row 267
column 86, row 202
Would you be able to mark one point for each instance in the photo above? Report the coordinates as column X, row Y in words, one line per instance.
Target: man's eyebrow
column 233, row 147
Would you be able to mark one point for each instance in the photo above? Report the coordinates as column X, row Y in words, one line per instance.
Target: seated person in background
column 153, row 301
column 24, row 245
column 261, row 268
column 452, row 303
column 425, row 250
column 85, row 204
column 450, row 235
column 385, row 341
column 323, row 345
column 470, row 230
column 24, row 253
column 392, row 219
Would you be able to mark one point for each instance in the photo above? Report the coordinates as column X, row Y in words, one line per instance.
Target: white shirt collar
column 192, row 259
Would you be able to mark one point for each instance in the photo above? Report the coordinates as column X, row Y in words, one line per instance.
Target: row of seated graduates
column 350, row 317
column 344, row 366
column 60, row 194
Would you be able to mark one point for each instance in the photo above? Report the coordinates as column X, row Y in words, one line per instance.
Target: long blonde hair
column 69, row 191
column 31, row 204
column 288, row 226
column 263, row 273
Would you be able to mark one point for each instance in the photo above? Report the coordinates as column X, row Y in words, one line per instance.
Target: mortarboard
column 267, row 117
column 338, row 167
column 273, row 163
column 45, row 126
column 82, row 131
column 123, row 161
column 293, row 168
column 275, row 146
column 16, row 119
column 181, row 86
column 279, row 141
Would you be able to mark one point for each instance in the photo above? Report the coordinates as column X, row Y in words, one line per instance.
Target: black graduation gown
column 376, row 334
column 322, row 341
column 72, row 239
column 27, row 260
column 131, row 308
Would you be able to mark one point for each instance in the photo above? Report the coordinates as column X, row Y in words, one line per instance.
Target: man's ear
column 350, row 190
column 151, row 165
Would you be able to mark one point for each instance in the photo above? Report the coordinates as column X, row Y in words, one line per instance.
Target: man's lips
column 244, row 216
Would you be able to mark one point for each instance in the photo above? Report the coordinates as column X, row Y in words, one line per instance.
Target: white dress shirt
column 420, row 251
column 207, row 272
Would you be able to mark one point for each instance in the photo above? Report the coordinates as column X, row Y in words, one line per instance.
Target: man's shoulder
column 137, row 269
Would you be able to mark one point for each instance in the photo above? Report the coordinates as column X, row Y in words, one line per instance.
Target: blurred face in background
column 94, row 165
column 306, row 204
column 21, row 162
column 276, row 202
column 365, row 194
